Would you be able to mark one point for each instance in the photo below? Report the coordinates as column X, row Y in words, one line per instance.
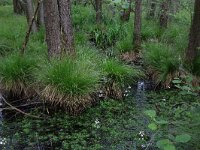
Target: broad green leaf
column 183, row 138
column 169, row 147
column 152, row 126
column 150, row 113
column 162, row 143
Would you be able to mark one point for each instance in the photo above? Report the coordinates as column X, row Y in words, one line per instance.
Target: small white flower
column 143, row 146
column 129, row 87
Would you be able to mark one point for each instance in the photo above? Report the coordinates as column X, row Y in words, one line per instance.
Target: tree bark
column 66, row 24
column 30, row 14
column 194, row 37
column 58, row 24
column 164, row 14
column 53, row 28
column 137, row 25
column 98, row 9
column 40, row 17
column 17, row 7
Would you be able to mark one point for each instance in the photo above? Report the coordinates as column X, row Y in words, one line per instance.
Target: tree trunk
column 66, row 24
column 164, row 14
column 194, row 37
column 40, row 17
column 137, row 25
column 29, row 14
column 98, row 9
column 58, row 24
column 17, row 7
column 53, row 28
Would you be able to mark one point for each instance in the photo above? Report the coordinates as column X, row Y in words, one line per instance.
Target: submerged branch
column 18, row 110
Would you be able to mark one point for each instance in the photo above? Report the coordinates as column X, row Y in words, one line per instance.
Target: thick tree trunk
column 98, row 9
column 40, row 17
column 17, row 7
column 164, row 14
column 194, row 36
column 66, row 24
column 58, row 24
column 30, row 14
column 53, row 28
column 137, row 25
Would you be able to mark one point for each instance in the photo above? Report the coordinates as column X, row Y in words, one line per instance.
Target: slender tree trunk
column 17, row 7
column 194, row 37
column 66, row 24
column 40, row 17
column 98, row 9
column 137, row 25
column 164, row 14
column 53, row 28
column 30, row 14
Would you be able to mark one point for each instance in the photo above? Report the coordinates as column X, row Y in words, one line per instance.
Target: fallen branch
column 18, row 110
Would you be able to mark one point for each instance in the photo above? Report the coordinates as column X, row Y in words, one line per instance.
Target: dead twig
column 30, row 27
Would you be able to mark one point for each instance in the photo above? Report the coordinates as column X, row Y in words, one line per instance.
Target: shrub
column 69, row 83
column 117, row 76
column 162, row 59
column 17, row 73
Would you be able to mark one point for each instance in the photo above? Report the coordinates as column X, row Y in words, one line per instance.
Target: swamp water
column 112, row 125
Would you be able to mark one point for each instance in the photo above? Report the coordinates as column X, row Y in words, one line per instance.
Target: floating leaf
column 162, row 122
column 183, row 138
column 150, row 113
column 169, row 147
column 162, row 143
column 152, row 126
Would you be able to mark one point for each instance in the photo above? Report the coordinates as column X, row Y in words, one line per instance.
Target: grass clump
column 69, row 83
column 17, row 73
column 163, row 62
column 117, row 76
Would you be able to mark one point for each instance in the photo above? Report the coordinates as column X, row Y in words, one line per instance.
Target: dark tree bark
column 98, row 9
column 164, row 14
column 58, row 24
column 194, row 37
column 17, row 7
column 52, row 25
column 137, row 25
column 66, row 24
column 40, row 16
column 30, row 14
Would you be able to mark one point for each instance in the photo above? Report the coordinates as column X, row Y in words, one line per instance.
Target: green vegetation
column 99, row 98
column 17, row 73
